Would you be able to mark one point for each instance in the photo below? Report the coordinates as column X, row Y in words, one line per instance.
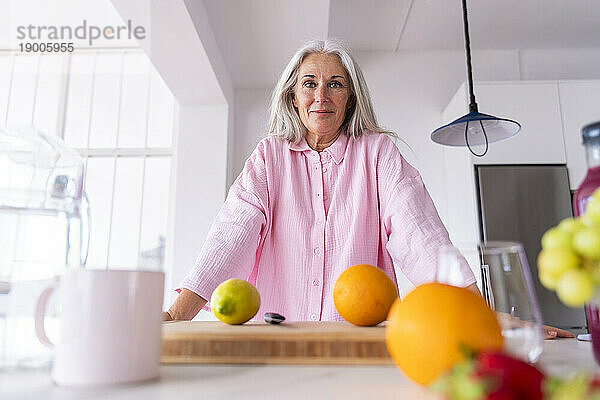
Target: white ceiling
column 503, row 24
column 368, row 25
column 257, row 37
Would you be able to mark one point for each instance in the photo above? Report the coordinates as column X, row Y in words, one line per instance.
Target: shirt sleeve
column 414, row 228
column 230, row 249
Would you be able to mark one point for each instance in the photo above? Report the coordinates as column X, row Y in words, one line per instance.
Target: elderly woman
column 327, row 189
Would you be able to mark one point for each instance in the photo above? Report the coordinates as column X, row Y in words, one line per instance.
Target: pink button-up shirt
column 295, row 219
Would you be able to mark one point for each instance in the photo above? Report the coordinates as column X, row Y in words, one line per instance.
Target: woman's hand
column 551, row 332
column 185, row 307
column 505, row 319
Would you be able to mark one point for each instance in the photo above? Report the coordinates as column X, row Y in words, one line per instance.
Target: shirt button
column 313, row 317
column 324, row 169
column 315, row 282
column 317, row 251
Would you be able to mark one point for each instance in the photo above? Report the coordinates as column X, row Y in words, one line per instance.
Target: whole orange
column 363, row 295
column 426, row 331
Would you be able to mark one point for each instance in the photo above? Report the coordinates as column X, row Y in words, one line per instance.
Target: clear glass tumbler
column 504, row 278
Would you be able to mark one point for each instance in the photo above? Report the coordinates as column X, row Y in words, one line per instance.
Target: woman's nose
column 321, row 95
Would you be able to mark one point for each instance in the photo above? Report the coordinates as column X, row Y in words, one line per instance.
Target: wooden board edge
column 179, row 337
column 168, row 360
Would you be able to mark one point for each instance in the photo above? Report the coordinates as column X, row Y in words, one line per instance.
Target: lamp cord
column 487, row 145
column 472, row 104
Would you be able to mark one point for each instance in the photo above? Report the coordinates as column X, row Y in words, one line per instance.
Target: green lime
column 235, row 301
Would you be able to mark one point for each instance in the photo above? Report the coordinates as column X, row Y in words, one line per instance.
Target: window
column 113, row 107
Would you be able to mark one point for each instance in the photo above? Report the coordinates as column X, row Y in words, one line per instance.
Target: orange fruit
column 363, row 295
column 426, row 331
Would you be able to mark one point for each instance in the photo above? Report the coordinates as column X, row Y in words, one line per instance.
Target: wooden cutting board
column 213, row 342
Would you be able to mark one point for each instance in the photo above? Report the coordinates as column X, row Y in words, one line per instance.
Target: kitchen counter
column 561, row 357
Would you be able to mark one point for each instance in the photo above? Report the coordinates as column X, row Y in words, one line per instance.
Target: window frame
column 112, row 152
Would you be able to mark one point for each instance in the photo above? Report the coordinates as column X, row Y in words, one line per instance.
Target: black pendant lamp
column 474, row 128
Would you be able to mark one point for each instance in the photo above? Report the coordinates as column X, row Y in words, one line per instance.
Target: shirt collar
column 336, row 150
column 302, row 146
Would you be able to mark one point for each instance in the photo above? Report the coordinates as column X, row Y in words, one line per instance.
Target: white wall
column 560, row 64
column 201, row 143
column 250, row 125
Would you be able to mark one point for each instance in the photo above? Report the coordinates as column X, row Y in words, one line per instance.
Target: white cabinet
column 537, row 108
column 579, row 104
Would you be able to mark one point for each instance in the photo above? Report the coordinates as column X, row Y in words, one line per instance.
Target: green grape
column 570, row 225
column 587, row 243
column 557, row 239
column 555, row 262
column 592, row 210
column 548, row 280
column 593, row 267
column 577, row 387
column 587, row 221
column 596, row 194
column 575, row 287
column 595, row 273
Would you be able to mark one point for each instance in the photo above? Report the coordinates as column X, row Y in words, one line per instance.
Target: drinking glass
column 504, row 278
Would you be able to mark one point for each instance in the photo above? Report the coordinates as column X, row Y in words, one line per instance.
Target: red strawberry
column 496, row 385
column 503, row 393
column 492, row 376
column 523, row 380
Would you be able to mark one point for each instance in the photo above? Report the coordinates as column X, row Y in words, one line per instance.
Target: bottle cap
column 591, row 132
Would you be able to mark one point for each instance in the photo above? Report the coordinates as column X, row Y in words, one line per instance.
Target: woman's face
column 322, row 94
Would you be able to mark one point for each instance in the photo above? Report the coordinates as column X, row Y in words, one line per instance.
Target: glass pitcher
column 44, row 229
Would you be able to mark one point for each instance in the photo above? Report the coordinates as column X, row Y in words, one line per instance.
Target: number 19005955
column 46, row 47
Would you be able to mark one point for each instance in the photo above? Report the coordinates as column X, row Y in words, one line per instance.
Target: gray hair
column 285, row 122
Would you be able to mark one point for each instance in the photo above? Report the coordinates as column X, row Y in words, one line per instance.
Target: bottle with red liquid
column 591, row 140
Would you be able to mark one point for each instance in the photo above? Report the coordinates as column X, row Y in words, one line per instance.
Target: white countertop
column 178, row 382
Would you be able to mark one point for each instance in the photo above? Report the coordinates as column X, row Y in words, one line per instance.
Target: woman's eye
column 335, row 84
column 309, row 84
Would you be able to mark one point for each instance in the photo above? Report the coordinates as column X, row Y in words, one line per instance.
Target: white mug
column 110, row 326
